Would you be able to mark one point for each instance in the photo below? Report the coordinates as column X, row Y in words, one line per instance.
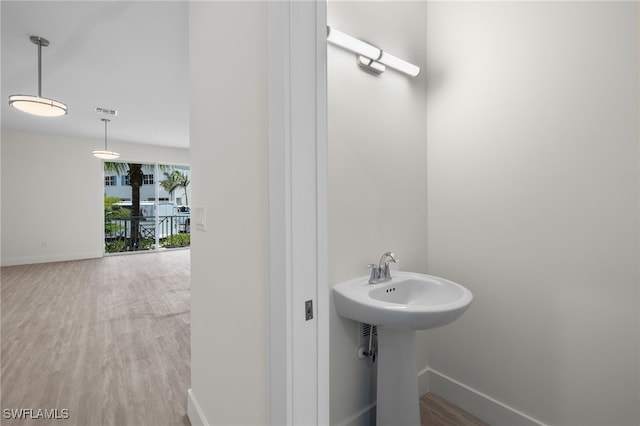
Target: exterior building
column 118, row 185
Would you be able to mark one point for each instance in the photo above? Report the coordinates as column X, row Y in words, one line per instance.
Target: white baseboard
column 361, row 418
column 194, row 412
column 480, row 405
column 13, row 261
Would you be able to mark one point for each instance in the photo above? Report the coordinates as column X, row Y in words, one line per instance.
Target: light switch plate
column 200, row 218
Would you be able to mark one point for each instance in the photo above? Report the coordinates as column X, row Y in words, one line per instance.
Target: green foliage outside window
column 112, row 212
column 177, row 240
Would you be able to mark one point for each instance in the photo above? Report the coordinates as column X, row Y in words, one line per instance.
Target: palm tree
column 171, row 182
column 183, row 182
column 136, row 178
column 174, row 180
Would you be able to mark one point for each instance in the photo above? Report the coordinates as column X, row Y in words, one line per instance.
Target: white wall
column 229, row 261
column 533, row 203
column 377, row 174
column 41, row 221
column 52, row 195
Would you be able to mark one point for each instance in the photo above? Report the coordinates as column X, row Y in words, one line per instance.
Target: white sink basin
column 409, row 301
column 399, row 307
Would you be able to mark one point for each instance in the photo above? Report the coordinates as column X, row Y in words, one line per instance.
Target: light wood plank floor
column 108, row 339
column 437, row 411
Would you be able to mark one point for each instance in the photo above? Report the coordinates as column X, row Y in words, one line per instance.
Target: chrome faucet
column 380, row 272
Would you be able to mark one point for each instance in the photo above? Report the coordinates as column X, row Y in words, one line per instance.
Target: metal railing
column 168, row 231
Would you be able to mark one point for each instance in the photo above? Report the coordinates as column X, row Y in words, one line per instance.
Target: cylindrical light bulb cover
column 360, row 47
column 399, row 64
column 38, row 106
column 105, row 155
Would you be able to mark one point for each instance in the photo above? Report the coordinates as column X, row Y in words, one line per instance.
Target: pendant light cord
column 40, row 42
column 39, row 68
column 105, row 133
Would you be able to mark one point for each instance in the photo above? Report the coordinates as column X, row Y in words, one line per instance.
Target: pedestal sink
column 399, row 307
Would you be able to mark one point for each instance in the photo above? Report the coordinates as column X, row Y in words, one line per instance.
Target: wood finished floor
column 108, row 339
column 436, row 411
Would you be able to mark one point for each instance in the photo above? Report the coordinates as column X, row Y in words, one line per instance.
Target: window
column 163, row 204
column 146, row 180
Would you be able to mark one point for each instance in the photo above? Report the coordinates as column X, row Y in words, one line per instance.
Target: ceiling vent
column 106, row 111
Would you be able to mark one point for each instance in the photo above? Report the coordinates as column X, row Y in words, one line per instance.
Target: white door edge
column 298, row 240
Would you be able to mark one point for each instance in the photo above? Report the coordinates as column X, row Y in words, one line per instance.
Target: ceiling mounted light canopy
column 37, row 105
column 105, row 154
column 370, row 57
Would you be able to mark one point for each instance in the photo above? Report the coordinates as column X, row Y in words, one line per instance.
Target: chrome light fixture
column 370, row 57
column 37, row 105
column 105, row 154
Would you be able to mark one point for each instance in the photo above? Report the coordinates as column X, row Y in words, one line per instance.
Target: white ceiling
column 129, row 56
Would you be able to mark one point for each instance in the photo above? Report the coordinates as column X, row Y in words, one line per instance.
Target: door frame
column 298, row 225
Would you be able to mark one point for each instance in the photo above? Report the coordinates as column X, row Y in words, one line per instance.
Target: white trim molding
column 61, row 257
column 475, row 402
column 299, row 348
column 194, row 412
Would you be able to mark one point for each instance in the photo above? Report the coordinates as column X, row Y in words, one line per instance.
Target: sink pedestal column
column 397, row 400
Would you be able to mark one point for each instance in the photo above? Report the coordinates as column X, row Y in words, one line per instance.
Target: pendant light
column 37, row 105
column 105, row 154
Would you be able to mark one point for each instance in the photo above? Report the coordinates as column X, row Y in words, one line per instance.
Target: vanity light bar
column 370, row 56
column 399, row 64
column 371, row 65
column 341, row 39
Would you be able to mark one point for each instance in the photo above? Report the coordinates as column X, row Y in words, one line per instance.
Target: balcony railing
column 168, row 232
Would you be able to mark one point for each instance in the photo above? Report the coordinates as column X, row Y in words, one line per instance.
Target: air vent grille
column 106, row 111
